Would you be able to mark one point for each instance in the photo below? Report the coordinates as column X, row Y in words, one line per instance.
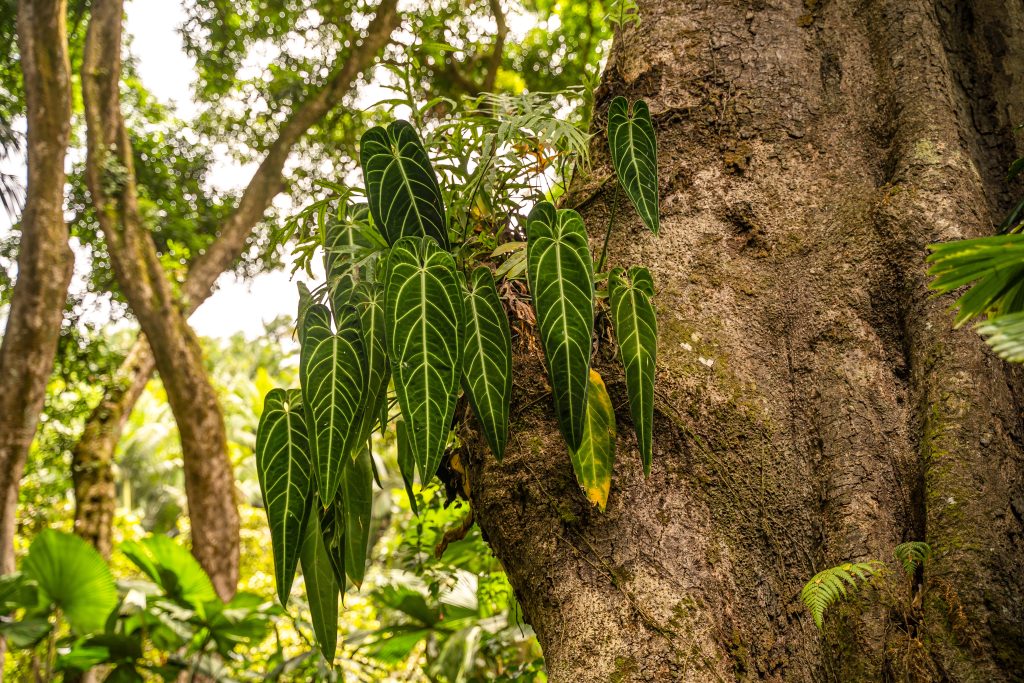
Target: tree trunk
column 814, row 405
column 45, row 260
column 93, row 455
column 92, row 459
column 209, row 478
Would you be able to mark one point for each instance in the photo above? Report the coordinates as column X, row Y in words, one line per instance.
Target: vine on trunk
column 411, row 315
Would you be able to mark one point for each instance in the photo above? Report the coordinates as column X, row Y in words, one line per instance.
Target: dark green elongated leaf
column 357, row 502
column 995, row 266
column 71, row 575
column 634, row 151
column 406, row 463
column 368, row 298
column 332, row 530
column 487, row 359
column 405, row 199
column 636, row 331
column 424, row 317
column 592, row 461
column 321, row 589
column 561, row 277
column 333, row 373
column 285, row 471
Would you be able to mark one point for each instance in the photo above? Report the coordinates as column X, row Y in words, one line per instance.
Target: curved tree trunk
column 814, row 405
column 209, row 478
column 93, row 456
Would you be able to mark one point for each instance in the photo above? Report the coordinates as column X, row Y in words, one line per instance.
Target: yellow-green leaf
column 592, row 461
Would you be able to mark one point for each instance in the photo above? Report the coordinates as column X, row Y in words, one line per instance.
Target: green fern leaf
column 833, row 584
column 912, row 554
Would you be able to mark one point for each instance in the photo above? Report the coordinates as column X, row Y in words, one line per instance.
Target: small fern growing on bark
column 829, row 586
column 912, row 554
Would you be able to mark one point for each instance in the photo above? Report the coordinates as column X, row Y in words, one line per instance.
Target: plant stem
column 608, row 232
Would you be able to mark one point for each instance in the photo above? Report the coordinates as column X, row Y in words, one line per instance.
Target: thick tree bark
column 814, row 405
column 93, row 455
column 45, row 260
column 209, row 478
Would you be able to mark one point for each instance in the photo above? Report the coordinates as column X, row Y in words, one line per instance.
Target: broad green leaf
column 368, row 298
column 321, row 589
column 285, row 471
column 405, row 199
column 72, row 576
column 356, row 494
column 636, row 331
column 634, row 152
column 592, row 461
column 487, row 359
column 172, row 568
column 561, row 277
column 424, row 320
column 406, row 463
column 333, row 374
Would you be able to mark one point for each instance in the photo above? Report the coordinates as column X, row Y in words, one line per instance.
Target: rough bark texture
column 45, row 260
column 209, row 478
column 93, row 455
column 814, row 405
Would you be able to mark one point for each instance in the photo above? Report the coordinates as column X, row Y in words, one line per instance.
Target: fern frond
column 829, row 586
column 912, row 554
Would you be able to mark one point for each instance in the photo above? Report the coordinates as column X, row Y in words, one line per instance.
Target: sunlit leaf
column 321, row 589
column 333, row 374
column 993, row 266
column 424, row 319
column 636, row 331
column 634, row 152
column 173, row 568
column 71, row 575
column 592, row 461
column 405, row 199
column 357, row 502
column 285, row 471
column 561, row 275
column 487, row 359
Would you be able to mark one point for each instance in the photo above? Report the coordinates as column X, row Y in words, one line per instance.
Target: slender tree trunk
column 45, row 260
column 209, row 478
column 814, row 405
column 93, row 455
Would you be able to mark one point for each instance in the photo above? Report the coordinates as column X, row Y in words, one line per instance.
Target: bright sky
column 167, row 70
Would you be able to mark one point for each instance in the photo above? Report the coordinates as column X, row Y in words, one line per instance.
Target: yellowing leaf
column 592, row 461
